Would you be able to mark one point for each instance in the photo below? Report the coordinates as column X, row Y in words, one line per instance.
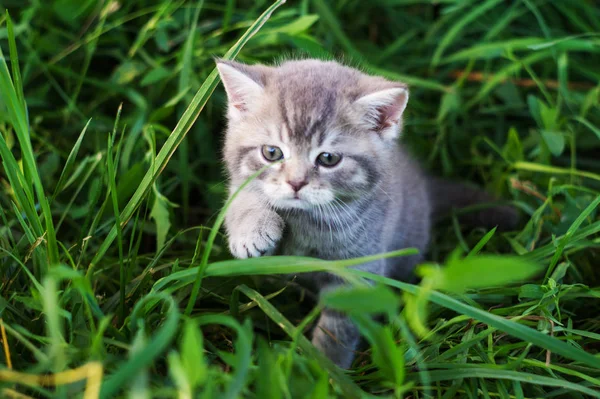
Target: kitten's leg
column 253, row 228
column 337, row 337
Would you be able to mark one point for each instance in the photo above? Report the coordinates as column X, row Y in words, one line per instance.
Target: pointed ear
column 382, row 110
column 243, row 85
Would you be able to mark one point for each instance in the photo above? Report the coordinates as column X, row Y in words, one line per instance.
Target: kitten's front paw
column 252, row 238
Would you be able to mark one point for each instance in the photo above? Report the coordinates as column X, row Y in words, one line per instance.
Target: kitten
column 345, row 188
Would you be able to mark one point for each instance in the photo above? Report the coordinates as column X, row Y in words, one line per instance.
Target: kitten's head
column 328, row 130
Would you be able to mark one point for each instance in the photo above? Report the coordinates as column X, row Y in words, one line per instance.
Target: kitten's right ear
column 382, row 110
column 243, row 84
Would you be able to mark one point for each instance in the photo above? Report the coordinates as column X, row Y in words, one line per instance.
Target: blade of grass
column 112, row 185
column 548, row 250
column 14, row 57
column 273, row 265
column 449, row 375
column 54, row 324
column 229, row 7
column 410, row 80
column 535, row 167
column 569, row 234
column 66, row 172
column 587, row 124
column 184, row 82
column 89, row 171
column 484, row 240
column 493, row 50
column 501, row 23
column 15, row 178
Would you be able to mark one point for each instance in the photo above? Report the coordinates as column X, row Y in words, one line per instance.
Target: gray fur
column 376, row 200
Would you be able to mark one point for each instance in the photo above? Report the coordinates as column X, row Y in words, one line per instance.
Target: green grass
column 116, row 281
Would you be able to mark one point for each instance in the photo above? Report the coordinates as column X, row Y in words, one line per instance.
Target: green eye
column 328, row 159
column 272, row 153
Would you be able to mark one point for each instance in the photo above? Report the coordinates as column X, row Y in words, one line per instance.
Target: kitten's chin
column 292, row 203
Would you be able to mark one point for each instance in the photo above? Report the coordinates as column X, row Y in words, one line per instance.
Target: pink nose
column 297, row 184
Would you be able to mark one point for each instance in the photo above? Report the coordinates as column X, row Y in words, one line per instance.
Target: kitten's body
column 375, row 199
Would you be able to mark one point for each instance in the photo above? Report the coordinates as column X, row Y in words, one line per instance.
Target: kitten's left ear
column 382, row 110
column 243, row 83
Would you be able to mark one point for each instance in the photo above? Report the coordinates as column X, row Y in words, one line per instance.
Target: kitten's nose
column 297, row 184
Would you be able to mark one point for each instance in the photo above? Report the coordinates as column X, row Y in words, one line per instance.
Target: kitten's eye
column 328, row 159
column 272, row 153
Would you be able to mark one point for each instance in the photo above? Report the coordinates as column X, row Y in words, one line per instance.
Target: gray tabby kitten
column 345, row 187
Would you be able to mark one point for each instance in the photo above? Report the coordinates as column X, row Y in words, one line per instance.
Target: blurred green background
column 503, row 93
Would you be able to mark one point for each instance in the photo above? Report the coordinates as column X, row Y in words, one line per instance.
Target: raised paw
column 251, row 239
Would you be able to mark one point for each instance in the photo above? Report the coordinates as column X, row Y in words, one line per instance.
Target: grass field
column 116, row 281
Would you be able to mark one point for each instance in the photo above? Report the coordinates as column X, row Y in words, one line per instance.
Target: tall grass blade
column 70, row 164
column 18, row 118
